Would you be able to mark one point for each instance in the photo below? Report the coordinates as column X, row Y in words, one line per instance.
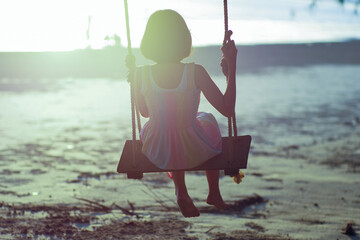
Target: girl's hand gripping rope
column 228, row 61
column 130, row 62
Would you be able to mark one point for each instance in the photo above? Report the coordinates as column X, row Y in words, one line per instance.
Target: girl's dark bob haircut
column 166, row 38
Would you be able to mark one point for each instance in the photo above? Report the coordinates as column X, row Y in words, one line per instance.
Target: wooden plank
column 219, row 162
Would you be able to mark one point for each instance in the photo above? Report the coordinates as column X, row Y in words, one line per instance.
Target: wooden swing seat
column 240, row 151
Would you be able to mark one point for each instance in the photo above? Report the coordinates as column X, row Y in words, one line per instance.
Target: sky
column 62, row 25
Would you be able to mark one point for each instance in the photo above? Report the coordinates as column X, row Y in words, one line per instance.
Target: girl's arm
column 224, row 103
column 139, row 97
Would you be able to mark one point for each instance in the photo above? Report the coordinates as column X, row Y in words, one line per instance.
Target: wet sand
column 61, row 140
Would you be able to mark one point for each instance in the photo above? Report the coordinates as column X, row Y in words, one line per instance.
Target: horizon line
column 194, row 46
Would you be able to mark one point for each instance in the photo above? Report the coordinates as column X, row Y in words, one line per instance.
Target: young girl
column 168, row 92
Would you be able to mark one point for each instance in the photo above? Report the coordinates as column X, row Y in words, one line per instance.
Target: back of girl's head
column 166, row 38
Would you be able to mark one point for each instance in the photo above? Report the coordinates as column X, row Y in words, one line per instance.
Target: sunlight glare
column 62, row 25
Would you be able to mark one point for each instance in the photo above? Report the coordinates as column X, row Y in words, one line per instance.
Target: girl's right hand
column 130, row 62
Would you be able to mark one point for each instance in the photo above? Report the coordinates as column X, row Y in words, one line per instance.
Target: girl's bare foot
column 217, row 201
column 187, row 207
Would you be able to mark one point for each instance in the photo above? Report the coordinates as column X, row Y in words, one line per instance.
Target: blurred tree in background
column 355, row 4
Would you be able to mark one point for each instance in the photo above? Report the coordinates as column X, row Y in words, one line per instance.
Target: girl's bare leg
column 184, row 201
column 214, row 197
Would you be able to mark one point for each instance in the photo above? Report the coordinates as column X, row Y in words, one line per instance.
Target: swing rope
column 226, row 27
column 134, row 110
column 131, row 70
column 232, row 119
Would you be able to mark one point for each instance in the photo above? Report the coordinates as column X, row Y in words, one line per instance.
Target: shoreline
column 277, row 209
column 109, row 62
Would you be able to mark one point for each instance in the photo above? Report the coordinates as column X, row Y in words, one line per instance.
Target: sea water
column 277, row 106
column 286, row 106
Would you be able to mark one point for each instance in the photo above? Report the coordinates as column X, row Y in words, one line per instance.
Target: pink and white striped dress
column 176, row 135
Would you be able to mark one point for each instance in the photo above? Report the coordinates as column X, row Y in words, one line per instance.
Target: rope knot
column 227, row 36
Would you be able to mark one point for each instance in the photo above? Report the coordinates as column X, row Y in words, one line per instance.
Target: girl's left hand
column 230, row 52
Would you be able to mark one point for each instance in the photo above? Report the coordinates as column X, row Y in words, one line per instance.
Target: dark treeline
column 109, row 62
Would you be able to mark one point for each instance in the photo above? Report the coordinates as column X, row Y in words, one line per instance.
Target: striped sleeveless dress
column 176, row 135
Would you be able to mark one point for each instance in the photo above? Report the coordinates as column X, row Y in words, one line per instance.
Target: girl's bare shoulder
column 139, row 71
column 202, row 77
column 199, row 68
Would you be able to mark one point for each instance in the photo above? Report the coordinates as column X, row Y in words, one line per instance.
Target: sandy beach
column 61, row 140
